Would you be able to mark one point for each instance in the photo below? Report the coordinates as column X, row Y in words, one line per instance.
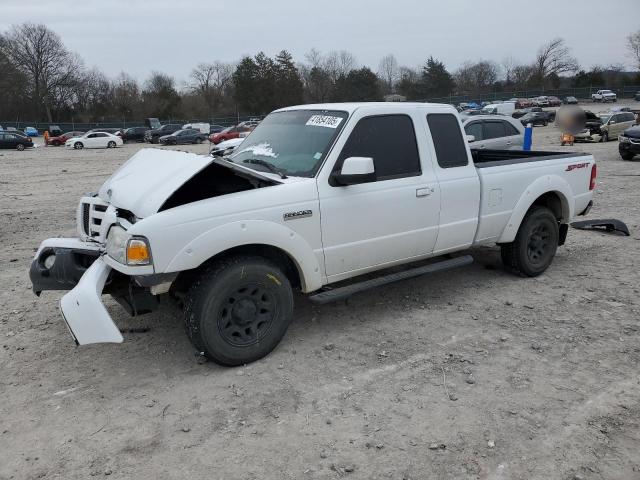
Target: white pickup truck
column 315, row 196
column 604, row 96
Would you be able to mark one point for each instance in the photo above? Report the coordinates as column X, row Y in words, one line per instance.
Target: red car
column 61, row 139
column 228, row 133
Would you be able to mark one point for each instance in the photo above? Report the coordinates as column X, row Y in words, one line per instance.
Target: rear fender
column 542, row 185
column 249, row 232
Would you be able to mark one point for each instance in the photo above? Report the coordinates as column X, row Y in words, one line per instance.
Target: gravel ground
column 472, row 374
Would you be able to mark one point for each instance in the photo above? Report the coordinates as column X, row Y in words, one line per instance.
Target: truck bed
column 495, row 158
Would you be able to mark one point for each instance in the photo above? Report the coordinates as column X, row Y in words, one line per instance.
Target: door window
column 494, row 130
column 447, row 140
column 474, row 129
column 390, row 140
column 510, row 129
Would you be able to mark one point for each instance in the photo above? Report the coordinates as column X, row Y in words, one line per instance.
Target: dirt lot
column 472, row 374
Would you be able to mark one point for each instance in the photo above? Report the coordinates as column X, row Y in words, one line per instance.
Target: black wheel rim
column 538, row 244
column 246, row 315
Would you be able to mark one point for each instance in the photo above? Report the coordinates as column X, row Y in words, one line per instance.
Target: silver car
column 494, row 132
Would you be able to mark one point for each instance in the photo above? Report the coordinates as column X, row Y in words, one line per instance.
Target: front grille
column 92, row 212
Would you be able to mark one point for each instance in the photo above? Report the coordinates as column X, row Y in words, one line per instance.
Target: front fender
column 542, row 185
column 250, row 232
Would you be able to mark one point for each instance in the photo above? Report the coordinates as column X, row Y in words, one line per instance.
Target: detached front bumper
column 77, row 266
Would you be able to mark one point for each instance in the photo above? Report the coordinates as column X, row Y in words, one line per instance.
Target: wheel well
column 274, row 254
column 554, row 202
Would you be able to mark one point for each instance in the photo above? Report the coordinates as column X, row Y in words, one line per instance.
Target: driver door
column 370, row 225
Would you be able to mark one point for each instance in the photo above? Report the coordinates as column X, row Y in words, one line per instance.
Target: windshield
column 292, row 142
column 604, row 118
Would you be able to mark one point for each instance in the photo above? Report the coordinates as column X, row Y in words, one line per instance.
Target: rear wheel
column 20, row 147
column 535, row 245
column 198, row 140
column 78, row 146
column 238, row 310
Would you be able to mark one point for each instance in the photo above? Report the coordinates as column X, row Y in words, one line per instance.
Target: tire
column 111, row 144
column 78, row 146
column 605, row 136
column 224, row 315
column 626, row 156
column 198, row 141
column 544, row 124
column 535, row 245
column 20, row 147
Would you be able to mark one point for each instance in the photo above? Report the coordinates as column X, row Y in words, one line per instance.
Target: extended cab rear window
column 447, row 140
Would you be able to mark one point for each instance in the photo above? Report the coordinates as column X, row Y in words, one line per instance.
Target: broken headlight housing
column 127, row 249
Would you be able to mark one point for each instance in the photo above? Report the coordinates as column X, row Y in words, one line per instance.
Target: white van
column 201, row 127
column 506, row 108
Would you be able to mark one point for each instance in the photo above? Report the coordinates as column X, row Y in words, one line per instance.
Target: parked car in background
column 31, row 131
column 493, row 132
column 54, row 131
column 506, row 108
column 215, row 129
column 613, row 124
column 524, row 111
column 541, row 101
column 112, row 131
column 201, row 127
column 13, row 140
column 570, row 100
column 591, row 131
column 637, row 97
column 535, row 118
column 554, row 101
column 604, row 96
column 153, row 135
column 629, row 143
column 61, row 139
column 134, row 134
column 94, row 140
column 237, row 131
column 181, row 137
column 225, row 148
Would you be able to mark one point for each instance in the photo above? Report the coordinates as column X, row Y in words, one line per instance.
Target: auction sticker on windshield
column 324, row 121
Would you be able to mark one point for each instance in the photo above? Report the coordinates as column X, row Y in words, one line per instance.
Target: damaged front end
column 150, row 182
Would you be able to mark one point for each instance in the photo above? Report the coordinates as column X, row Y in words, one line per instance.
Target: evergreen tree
column 436, row 81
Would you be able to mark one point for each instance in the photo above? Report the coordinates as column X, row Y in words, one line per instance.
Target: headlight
column 623, row 139
column 127, row 249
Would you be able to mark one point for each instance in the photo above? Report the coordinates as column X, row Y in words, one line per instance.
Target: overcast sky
column 137, row 36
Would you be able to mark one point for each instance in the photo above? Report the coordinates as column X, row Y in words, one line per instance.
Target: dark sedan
column 535, row 118
column 629, row 143
column 134, row 134
column 188, row 135
column 13, row 140
column 570, row 100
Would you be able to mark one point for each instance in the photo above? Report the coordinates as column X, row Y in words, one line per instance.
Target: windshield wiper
column 270, row 166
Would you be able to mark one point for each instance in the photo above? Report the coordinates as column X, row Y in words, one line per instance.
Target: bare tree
column 338, row 64
column 633, row 45
column 51, row 70
column 210, row 80
column 554, row 58
column 508, row 65
column 473, row 77
column 388, row 71
column 126, row 96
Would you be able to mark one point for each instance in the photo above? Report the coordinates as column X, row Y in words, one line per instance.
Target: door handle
column 424, row 192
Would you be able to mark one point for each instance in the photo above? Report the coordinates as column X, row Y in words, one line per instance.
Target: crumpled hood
column 148, row 178
column 145, row 181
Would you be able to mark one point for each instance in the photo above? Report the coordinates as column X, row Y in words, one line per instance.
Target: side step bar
column 341, row 293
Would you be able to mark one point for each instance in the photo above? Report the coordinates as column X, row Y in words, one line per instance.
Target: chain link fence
column 581, row 93
column 84, row 126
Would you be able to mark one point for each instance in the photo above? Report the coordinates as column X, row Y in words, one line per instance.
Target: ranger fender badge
column 298, row 214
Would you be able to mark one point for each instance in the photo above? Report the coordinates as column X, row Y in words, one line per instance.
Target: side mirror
column 355, row 170
column 471, row 139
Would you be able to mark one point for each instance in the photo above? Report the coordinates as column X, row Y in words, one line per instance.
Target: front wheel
column 78, row 146
column 626, row 156
column 111, row 144
column 238, row 310
column 605, row 137
column 535, row 245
